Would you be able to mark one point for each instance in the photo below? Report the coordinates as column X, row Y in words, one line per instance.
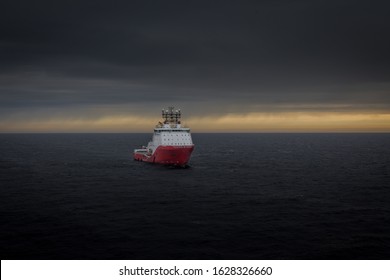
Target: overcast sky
column 247, row 65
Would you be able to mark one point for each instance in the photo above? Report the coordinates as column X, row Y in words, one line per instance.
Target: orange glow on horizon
column 252, row 122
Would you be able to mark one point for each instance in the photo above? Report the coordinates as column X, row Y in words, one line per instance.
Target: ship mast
column 171, row 116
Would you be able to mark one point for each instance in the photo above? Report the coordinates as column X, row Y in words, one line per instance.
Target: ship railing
column 158, row 129
column 140, row 150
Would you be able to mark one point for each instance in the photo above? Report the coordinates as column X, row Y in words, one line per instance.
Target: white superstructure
column 170, row 133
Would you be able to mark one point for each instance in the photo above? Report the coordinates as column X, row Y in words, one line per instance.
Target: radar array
column 171, row 115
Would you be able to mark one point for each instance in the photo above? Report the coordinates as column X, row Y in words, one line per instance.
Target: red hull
column 169, row 155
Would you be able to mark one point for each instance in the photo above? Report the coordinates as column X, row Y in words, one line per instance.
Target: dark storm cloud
column 230, row 53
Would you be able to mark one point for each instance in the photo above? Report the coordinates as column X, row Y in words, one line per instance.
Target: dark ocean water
column 245, row 196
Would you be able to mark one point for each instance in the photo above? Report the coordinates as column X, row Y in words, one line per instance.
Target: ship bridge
column 170, row 132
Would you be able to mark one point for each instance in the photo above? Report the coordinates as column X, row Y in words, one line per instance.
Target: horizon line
column 218, row 132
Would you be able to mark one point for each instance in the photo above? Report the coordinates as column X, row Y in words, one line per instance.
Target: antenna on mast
column 171, row 115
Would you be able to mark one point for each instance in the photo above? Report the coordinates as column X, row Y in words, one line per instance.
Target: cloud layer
column 98, row 60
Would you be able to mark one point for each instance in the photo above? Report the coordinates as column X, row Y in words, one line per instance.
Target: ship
column 171, row 143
